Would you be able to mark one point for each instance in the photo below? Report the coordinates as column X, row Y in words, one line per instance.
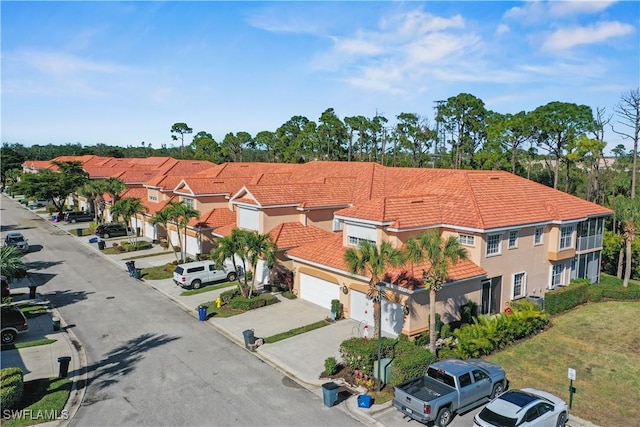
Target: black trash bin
column 137, row 273
column 64, row 366
column 330, row 393
column 249, row 339
column 101, row 245
column 202, row 313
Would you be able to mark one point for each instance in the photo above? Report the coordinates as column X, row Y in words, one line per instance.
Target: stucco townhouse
column 522, row 238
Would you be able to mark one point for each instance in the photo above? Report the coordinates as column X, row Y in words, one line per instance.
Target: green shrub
column 227, row 296
column 330, row 365
column 411, row 361
column 360, row 353
column 563, row 299
column 524, row 305
column 141, row 245
column 289, row 295
column 611, row 288
column 11, row 386
column 468, row 312
column 242, row 303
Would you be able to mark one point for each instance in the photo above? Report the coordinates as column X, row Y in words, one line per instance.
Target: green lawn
column 601, row 341
column 25, row 344
column 156, row 273
column 42, row 401
column 208, row 288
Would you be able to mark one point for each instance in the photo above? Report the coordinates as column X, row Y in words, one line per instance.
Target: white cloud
column 566, row 38
column 573, row 7
column 356, row 46
column 502, row 29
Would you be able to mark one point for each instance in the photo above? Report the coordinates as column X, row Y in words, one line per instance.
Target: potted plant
column 336, row 309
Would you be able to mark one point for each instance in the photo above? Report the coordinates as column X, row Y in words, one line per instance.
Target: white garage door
column 150, row 231
column 175, row 240
column 192, row 245
column 318, row 291
column 362, row 311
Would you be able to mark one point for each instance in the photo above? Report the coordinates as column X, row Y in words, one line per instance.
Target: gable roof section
column 292, row 234
column 308, row 195
column 202, row 186
column 330, row 252
column 225, row 230
column 215, row 218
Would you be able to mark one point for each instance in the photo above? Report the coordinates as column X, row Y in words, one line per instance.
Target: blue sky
column 121, row 73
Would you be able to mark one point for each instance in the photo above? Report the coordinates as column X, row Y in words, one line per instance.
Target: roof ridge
column 474, row 201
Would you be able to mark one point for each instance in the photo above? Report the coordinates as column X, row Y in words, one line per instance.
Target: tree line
column 559, row 144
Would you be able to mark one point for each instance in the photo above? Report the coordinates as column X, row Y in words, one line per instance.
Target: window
column 479, row 375
column 518, row 285
column 337, row 225
column 465, row 380
column 466, row 239
column 513, row 239
column 538, row 235
column 566, row 237
column 493, row 244
column 188, row 201
column 556, row 275
column 355, row 241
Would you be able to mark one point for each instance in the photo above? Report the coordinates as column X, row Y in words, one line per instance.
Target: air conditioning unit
column 537, row 300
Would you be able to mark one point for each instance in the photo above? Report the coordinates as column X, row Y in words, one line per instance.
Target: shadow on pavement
column 62, row 298
column 122, row 360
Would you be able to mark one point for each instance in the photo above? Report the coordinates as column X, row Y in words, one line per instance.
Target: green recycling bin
column 137, row 273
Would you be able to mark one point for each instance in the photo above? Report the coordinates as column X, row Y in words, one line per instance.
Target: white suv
column 194, row 274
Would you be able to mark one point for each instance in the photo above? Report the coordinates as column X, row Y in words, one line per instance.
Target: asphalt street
column 149, row 362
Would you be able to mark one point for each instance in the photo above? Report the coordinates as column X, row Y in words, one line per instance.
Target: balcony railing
column 589, row 242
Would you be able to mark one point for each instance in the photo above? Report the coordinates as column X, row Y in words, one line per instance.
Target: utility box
column 385, row 369
column 537, row 300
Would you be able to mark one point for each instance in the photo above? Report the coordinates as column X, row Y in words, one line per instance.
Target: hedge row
column 581, row 290
column 242, row 303
column 490, row 333
column 11, row 387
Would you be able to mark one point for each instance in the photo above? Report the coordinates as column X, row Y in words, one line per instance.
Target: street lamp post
column 380, row 286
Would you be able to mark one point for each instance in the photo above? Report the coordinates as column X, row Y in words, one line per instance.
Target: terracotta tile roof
column 330, row 252
column 247, row 200
column 215, row 218
column 136, row 176
column 225, row 230
column 164, row 182
column 39, row 164
column 189, row 167
column 236, row 170
column 326, row 193
column 199, row 185
column 104, row 172
column 292, row 234
column 154, row 207
column 135, row 193
column 476, row 199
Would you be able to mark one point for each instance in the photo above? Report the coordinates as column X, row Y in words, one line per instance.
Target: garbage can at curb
column 249, row 339
column 56, row 323
column 101, row 245
column 131, row 267
column 64, row 366
column 330, row 393
column 137, row 273
column 202, row 312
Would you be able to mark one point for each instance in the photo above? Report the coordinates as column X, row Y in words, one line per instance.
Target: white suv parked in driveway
column 194, row 274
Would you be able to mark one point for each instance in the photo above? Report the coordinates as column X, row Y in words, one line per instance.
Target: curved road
column 149, row 362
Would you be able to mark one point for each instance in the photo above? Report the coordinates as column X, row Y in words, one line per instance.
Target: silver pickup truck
column 449, row 386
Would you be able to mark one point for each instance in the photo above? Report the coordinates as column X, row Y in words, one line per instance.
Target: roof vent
column 417, row 201
column 494, row 178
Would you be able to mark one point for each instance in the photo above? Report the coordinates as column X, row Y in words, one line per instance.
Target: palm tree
column 627, row 214
column 11, row 263
column 180, row 214
column 163, row 217
column 440, row 254
column 368, row 260
column 127, row 209
column 229, row 247
column 259, row 247
column 115, row 187
column 94, row 190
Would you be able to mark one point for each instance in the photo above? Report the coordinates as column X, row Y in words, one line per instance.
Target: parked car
column 17, row 240
column 40, row 203
column 111, row 230
column 449, row 386
column 527, row 407
column 194, row 274
column 13, row 323
column 78, row 216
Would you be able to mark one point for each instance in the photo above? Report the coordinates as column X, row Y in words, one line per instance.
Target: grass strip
column 34, row 343
column 296, row 331
column 206, row 289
